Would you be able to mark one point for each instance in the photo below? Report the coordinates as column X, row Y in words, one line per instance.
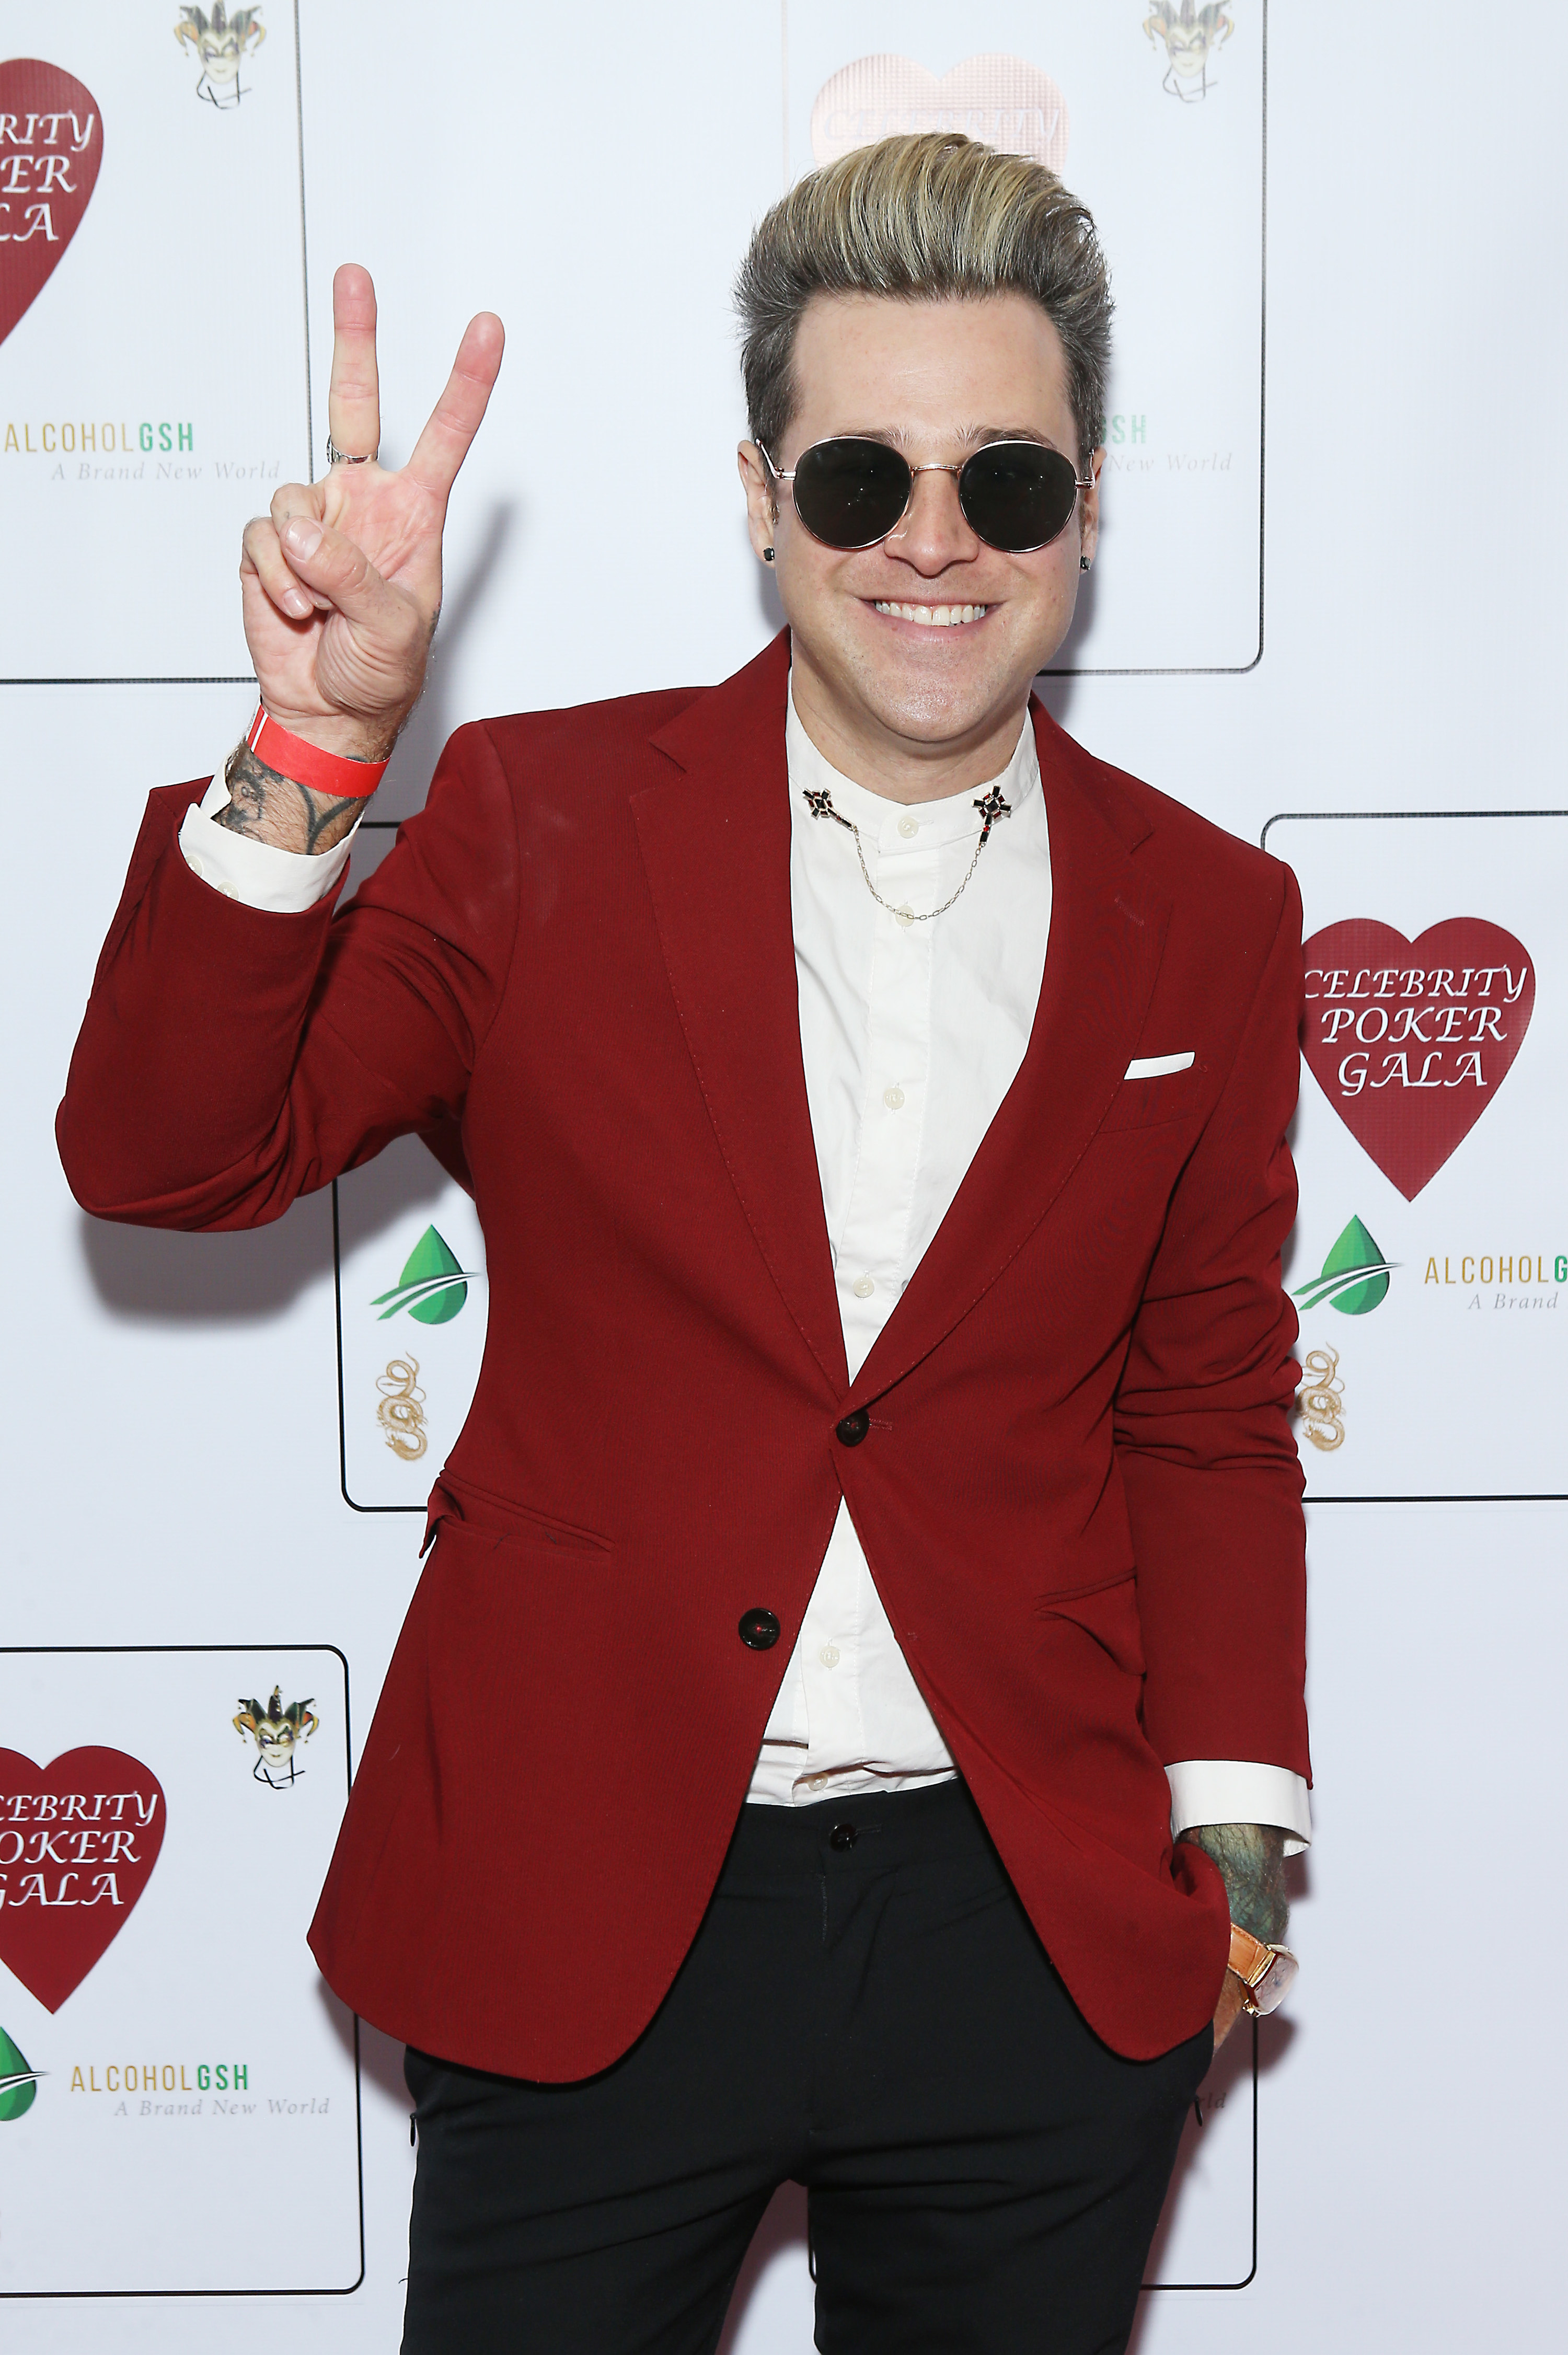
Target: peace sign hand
column 341, row 583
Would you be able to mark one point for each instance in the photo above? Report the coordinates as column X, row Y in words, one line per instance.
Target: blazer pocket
column 481, row 1509
column 1104, row 1617
column 1146, row 1102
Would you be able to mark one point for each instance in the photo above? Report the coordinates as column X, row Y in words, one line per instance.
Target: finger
column 458, row 414
column 330, row 564
column 298, row 499
column 265, row 557
column 308, row 499
column 353, row 395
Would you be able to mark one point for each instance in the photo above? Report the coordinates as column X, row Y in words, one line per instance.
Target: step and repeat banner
column 153, row 318
column 175, row 185
column 172, row 2063
column 411, row 1300
column 1430, row 1259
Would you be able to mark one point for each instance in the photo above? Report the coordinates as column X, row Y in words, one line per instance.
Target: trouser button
column 841, row 1836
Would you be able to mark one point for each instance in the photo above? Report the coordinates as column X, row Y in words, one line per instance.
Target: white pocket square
column 1154, row 1067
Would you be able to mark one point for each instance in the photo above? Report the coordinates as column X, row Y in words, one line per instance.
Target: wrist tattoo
column 267, row 807
column 1251, row 1857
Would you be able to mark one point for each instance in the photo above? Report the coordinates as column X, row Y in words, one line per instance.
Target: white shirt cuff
column 1232, row 1791
column 283, row 882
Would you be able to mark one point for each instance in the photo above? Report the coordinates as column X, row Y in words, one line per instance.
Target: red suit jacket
column 1079, row 1495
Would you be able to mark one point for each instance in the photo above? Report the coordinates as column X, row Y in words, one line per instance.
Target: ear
column 762, row 500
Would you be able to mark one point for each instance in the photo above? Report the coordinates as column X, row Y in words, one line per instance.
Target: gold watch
column 1266, row 1972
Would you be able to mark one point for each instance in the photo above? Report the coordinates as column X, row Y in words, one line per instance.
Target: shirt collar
column 954, row 818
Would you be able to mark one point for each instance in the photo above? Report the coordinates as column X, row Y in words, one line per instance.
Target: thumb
column 336, row 568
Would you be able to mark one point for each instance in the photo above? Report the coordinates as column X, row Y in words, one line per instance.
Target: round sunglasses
column 1015, row 496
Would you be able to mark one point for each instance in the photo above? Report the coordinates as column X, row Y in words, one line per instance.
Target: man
column 878, row 1525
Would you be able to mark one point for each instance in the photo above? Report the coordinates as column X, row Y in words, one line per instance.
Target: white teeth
column 933, row 617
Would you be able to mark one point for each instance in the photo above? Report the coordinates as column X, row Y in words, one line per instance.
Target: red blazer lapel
column 715, row 841
column 1107, row 935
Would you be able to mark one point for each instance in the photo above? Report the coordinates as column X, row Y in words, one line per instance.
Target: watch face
column 1270, row 1991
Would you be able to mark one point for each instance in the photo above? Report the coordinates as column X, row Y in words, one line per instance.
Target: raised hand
column 341, row 582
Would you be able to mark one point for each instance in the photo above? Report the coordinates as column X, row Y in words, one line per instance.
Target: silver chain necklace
column 990, row 805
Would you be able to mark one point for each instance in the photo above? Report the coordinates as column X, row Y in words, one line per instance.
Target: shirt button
column 816, row 1782
column 829, row 1655
column 862, row 1288
column 893, row 1097
column 193, row 863
column 908, row 827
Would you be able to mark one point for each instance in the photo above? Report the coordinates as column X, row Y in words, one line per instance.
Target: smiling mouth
column 933, row 617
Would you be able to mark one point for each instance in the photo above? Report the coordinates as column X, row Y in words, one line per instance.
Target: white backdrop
column 172, row 1411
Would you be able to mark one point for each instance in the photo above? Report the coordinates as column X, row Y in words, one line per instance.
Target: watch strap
column 1266, row 1972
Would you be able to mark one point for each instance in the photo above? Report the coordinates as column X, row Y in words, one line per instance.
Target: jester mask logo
column 1191, row 35
column 221, row 43
column 279, row 1735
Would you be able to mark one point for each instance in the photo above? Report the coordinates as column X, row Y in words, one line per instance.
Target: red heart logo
column 51, row 143
column 1410, row 1041
column 78, row 1841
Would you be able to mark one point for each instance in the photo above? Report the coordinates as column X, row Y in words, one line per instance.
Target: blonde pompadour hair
column 921, row 216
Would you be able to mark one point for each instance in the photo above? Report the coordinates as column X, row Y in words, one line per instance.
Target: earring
column 767, row 555
column 1084, row 564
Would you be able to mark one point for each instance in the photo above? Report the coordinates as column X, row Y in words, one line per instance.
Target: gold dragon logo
column 1321, row 1399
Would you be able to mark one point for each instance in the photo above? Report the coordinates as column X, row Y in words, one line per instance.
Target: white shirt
column 912, row 1034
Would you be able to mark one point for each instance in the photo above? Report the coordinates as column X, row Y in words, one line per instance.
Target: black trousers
column 867, row 2010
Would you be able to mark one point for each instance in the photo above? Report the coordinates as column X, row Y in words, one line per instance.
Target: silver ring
column 336, row 457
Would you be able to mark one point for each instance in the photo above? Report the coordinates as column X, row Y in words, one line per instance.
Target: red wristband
column 308, row 764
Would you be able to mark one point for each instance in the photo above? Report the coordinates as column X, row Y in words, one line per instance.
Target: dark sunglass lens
column 850, row 493
column 1017, row 495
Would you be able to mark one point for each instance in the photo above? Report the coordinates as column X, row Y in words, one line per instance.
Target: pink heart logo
column 78, row 1843
column 51, row 143
column 1006, row 102
column 1410, row 1041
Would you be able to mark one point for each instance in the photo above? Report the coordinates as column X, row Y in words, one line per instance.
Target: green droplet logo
column 1354, row 1276
column 18, row 2086
column 432, row 1287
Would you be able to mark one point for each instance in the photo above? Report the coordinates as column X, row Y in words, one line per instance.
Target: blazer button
column 759, row 1630
column 854, row 1427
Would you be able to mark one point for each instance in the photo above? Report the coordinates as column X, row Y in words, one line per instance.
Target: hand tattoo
column 1252, row 1858
column 267, row 807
